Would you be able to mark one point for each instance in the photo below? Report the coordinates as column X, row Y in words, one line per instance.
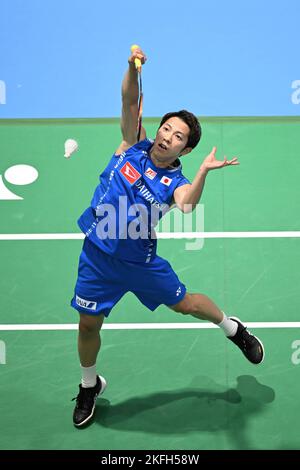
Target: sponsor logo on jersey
column 165, row 180
column 149, row 196
column 90, row 305
column 150, row 173
column 130, row 173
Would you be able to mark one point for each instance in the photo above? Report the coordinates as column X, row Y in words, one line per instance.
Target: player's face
column 171, row 138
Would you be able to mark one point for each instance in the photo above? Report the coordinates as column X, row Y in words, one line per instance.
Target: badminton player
column 142, row 181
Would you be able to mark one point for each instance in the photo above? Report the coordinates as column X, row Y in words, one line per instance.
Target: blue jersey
column 132, row 196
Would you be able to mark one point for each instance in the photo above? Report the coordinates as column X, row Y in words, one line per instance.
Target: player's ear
column 186, row 151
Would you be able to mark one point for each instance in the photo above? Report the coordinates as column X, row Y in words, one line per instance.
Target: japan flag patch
column 165, row 180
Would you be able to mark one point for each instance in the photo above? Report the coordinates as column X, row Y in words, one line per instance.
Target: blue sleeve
column 181, row 181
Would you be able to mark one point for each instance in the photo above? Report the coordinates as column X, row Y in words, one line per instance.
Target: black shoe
column 85, row 402
column 251, row 347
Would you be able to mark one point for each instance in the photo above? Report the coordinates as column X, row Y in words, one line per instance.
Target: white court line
column 164, row 235
column 41, row 236
column 143, row 326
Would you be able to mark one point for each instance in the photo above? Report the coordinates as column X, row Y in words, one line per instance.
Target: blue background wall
column 66, row 58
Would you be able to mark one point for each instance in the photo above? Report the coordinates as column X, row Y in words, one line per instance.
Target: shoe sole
column 261, row 345
column 103, row 387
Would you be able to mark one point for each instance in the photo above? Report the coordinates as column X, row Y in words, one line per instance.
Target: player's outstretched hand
column 211, row 163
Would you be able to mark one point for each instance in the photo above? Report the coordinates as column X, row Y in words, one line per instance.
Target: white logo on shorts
column 90, row 305
column 178, row 291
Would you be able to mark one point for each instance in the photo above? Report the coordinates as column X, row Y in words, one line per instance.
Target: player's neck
column 164, row 164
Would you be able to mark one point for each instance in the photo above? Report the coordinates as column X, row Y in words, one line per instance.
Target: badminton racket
column 138, row 66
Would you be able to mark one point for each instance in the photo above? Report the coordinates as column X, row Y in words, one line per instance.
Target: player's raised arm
column 130, row 100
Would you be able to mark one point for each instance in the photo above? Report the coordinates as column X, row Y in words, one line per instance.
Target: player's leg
column 203, row 308
column 97, row 290
column 89, row 340
column 156, row 283
column 92, row 385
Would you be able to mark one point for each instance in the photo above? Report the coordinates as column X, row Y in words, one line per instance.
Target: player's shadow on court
column 197, row 408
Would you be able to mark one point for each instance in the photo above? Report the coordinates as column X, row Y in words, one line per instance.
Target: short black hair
column 193, row 123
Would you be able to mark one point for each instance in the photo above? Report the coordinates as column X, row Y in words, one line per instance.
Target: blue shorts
column 103, row 280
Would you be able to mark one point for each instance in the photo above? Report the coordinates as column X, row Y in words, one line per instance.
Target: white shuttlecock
column 70, row 147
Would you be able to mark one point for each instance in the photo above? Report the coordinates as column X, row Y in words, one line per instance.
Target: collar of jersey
column 159, row 169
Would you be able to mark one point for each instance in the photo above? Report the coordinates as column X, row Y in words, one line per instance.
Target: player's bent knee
column 89, row 323
column 185, row 306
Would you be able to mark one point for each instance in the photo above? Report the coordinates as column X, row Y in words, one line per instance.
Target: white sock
column 89, row 376
column 228, row 326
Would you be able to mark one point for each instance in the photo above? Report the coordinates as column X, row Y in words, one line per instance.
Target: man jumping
column 142, row 181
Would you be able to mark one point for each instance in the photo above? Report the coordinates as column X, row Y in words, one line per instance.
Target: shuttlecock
column 70, row 147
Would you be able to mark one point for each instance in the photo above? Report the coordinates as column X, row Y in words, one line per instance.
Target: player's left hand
column 211, row 163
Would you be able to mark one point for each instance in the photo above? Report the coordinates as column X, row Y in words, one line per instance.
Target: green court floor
column 176, row 389
column 167, row 388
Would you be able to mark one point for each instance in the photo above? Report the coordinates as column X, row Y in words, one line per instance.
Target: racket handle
column 137, row 62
